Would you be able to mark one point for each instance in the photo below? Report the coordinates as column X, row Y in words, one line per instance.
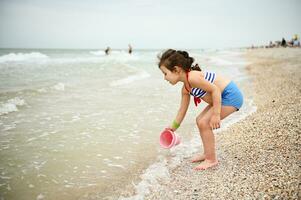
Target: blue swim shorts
column 232, row 96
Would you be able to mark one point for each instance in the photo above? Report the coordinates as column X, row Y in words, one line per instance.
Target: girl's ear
column 177, row 69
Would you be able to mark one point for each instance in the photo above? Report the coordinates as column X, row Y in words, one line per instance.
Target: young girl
column 221, row 94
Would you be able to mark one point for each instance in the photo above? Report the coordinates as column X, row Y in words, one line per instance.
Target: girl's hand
column 169, row 128
column 215, row 121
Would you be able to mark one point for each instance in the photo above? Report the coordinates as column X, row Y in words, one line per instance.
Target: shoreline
column 258, row 156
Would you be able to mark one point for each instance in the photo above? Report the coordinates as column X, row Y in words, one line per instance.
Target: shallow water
column 76, row 124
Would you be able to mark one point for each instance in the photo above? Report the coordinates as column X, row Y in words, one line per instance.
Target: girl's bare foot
column 206, row 164
column 198, row 158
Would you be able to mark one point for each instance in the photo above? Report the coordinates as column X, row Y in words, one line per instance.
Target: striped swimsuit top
column 198, row 93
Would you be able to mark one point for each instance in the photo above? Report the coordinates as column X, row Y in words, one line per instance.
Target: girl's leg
column 200, row 157
column 208, row 138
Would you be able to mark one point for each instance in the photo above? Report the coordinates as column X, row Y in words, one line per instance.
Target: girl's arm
column 183, row 108
column 198, row 82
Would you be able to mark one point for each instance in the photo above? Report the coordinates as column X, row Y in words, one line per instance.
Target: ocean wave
column 129, row 79
column 98, row 53
column 119, row 56
column 231, row 53
column 11, row 105
column 96, row 57
column 150, row 179
column 223, row 62
column 17, row 57
column 220, row 61
column 32, row 91
column 111, row 59
column 59, row 87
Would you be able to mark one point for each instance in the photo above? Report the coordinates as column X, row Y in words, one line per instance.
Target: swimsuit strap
column 197, row 100
column 187, row 82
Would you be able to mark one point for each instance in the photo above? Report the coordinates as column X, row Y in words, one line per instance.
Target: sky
column 146, row 24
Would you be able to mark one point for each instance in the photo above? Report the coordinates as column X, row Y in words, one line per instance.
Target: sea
column 79, row 124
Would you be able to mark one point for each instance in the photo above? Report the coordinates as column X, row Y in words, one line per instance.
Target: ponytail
column 172, row 58
column 195, row 67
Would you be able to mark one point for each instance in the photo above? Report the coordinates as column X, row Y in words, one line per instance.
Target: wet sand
column 259, row 157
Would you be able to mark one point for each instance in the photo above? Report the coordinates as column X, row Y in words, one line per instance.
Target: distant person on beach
column 130, row 49
column 271, row 45
column 107, row 51
column 283, row 42
column 221, row 94
column 296, row 41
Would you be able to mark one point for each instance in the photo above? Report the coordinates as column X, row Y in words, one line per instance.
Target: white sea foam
column 59, row 87
column 9, row 127
column 219, row 61
column 115, row 165
column 231, row 53
column 40, row 197
column 76, row 60
column 122, row 56
column 98, row 53
column 241, row 78
column 132, row 78
column 17, row 57
column 11, row 105
column 150, row 179
column 42, row 90
column 96, row 57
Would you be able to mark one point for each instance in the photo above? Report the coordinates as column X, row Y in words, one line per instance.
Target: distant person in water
column 107, row 51
column 130, row 49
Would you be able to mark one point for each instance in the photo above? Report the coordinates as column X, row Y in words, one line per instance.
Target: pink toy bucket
column 169, row 139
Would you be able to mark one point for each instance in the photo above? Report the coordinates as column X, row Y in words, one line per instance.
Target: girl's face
column 171, row 77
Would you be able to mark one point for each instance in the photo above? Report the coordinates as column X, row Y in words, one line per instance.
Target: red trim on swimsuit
column 197, row 100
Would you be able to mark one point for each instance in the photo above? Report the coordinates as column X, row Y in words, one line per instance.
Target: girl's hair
column 171, row 58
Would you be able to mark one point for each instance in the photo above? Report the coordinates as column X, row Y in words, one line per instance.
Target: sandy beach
column 260, row 155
